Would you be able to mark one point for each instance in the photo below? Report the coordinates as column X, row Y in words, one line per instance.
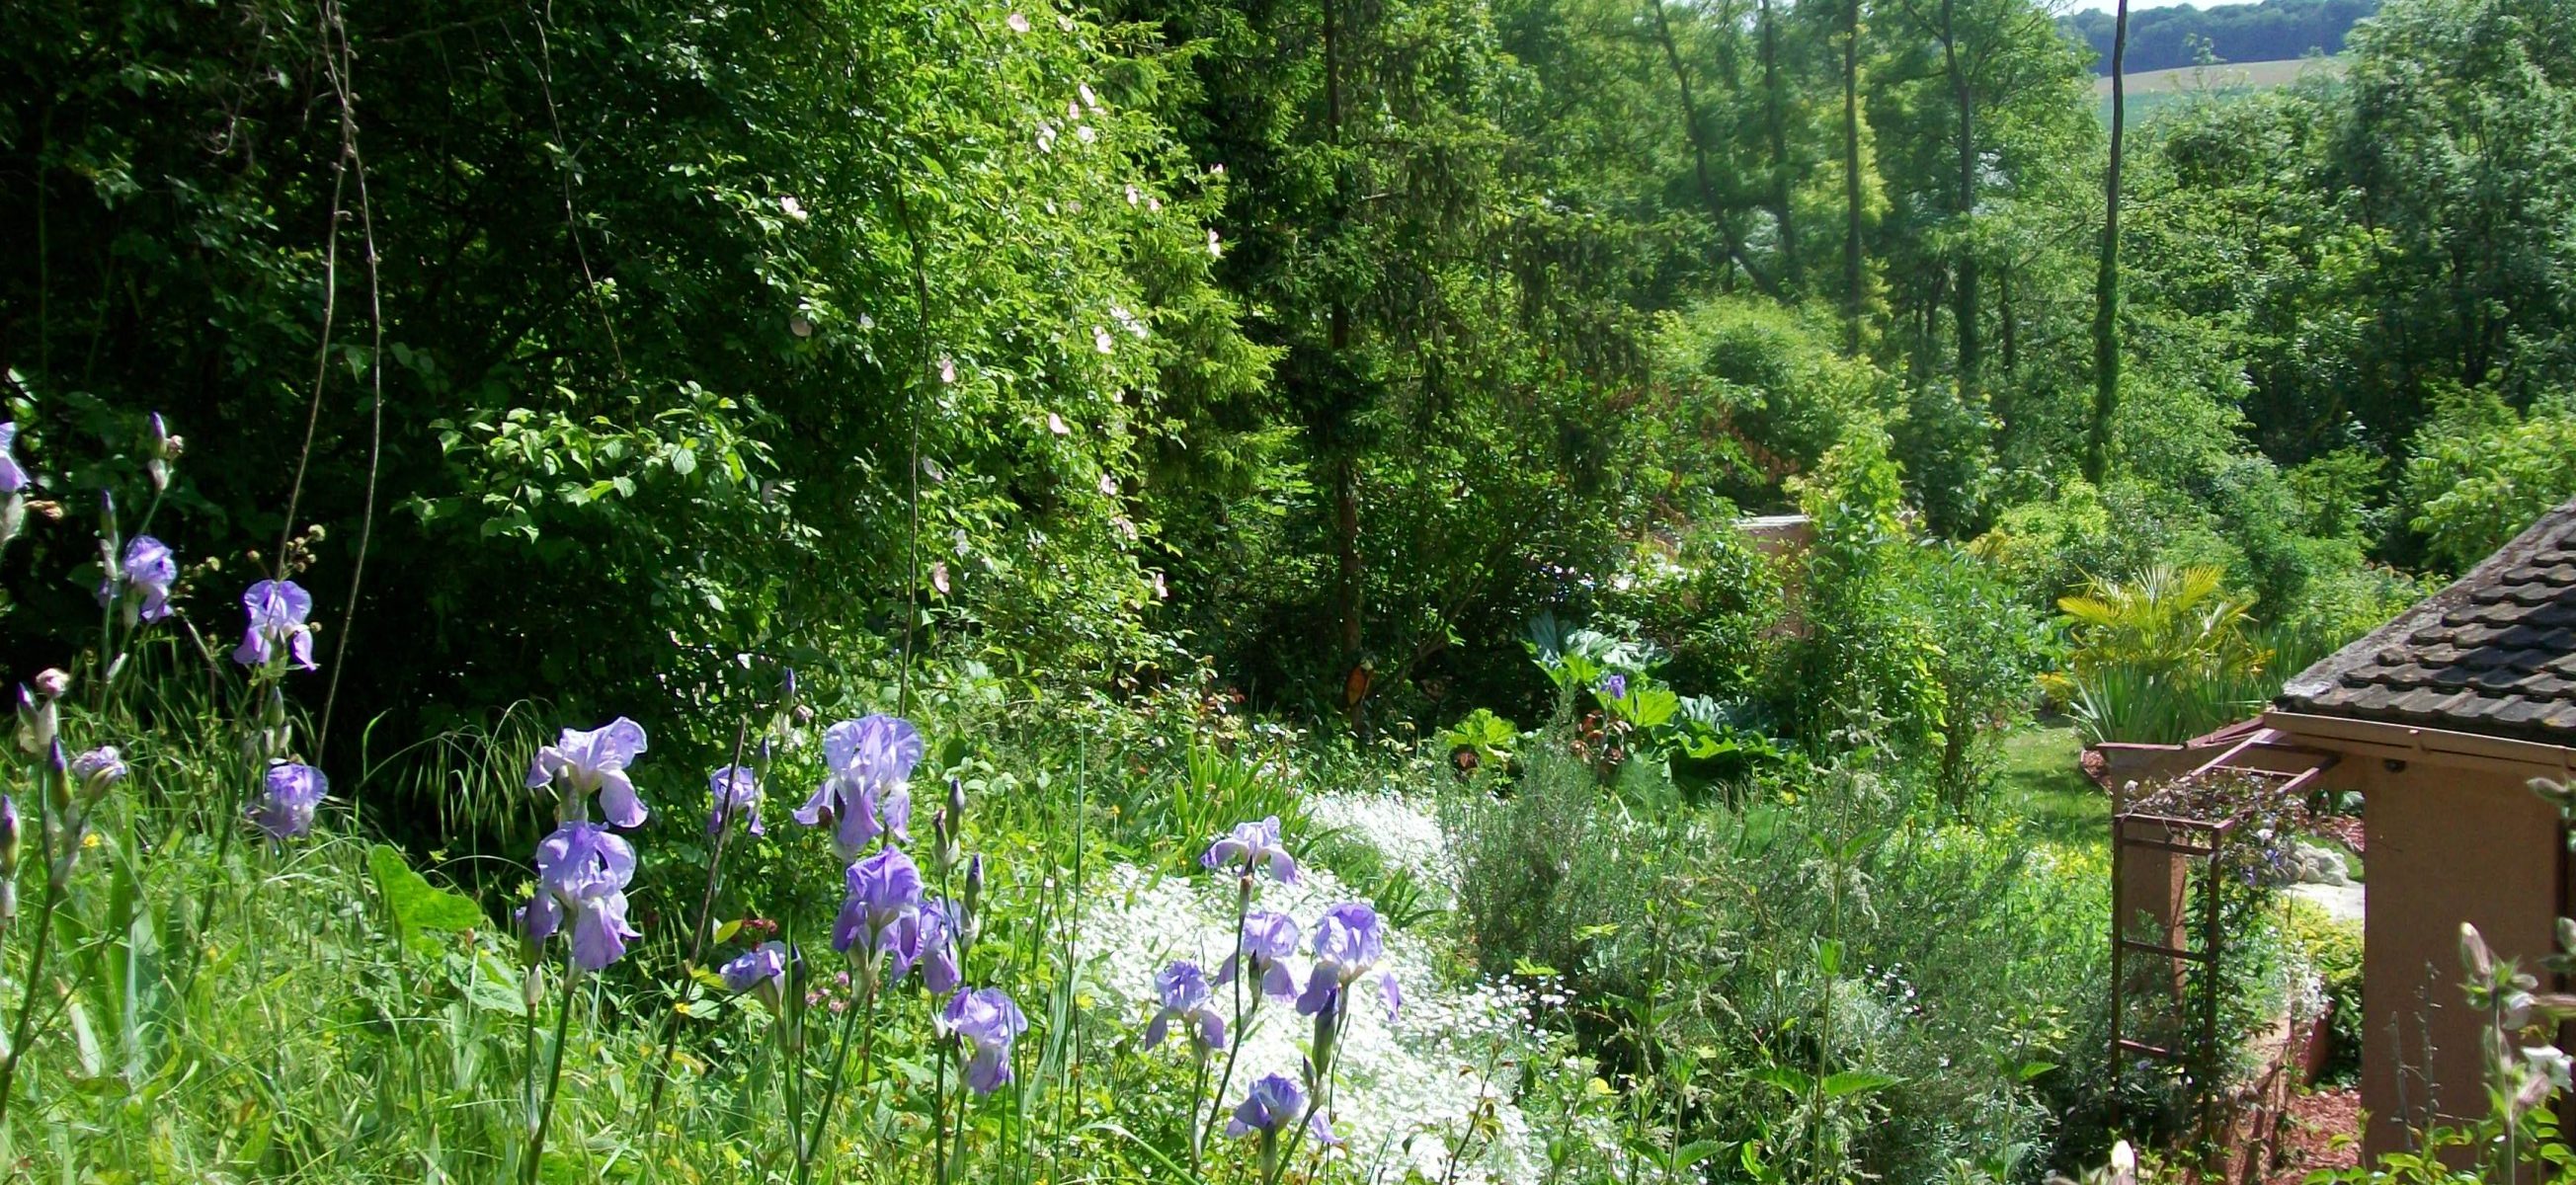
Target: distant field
column 2151, row 89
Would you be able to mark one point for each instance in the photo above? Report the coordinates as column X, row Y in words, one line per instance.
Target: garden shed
column 2441, row 718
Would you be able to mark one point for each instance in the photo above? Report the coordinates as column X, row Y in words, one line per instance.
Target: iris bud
column 38, row 721
column 9, row 847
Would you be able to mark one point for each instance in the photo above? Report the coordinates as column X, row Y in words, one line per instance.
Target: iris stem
column 791, row 1044
column 1323, row 1084
column 55, row 873
column 1242, row 971
column 867, row 1003
column 554, row 1072
column 939, row 1110
column 725, row 817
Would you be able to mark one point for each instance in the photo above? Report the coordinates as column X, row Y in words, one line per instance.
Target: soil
column 2309, row 1131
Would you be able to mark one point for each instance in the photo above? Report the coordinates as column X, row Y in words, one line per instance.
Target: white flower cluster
column 1408, row 836
column 1405, row 1090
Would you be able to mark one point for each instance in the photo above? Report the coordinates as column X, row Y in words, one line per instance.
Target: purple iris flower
column 737, row 796
column 277, row 612
column 940, row 943
column 293, row 791
column 1248, row 848
column 579, row 763
column 882, row 913
column 1348, row 943
column 1268, row 939
column 866, row 795
column 760, row 971
column 1274, row 1102
column 149, row 570
column 1614, row 686
column 583, row 870
column 96, row 770
column 12, row 478
column 989, row 1022
column 1188, row 999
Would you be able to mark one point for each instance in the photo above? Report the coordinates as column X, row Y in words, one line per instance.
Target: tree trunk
column 2004, row 317
column 1853, row 296
column 1777, row 121
column 2106, row 285
column 2003, row 394
column 1718, row 215
column 1963, row 295
column 1348, row 593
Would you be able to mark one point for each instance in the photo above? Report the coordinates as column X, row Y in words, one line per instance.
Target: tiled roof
column 2495, row 653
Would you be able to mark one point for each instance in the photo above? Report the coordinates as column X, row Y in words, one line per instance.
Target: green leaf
column 418, row 907
column 1845, row 1083
column 1689, row 1155
column 1652, row 706
column 495, row 987
column 1790, row 1079
column 2030, row 1070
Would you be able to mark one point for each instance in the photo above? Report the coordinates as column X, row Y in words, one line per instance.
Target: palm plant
column 2163, row 656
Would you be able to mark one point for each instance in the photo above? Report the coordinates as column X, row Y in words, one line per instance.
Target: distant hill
column 2271, row 31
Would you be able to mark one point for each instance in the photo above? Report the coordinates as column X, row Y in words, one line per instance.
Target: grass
column 2150, row 90
column 2043, row 785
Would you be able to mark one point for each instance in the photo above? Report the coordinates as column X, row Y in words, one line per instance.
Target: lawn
column 2043, row 784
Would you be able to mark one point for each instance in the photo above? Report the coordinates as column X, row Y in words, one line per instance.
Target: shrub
column 2483, row 471
column 2331, row 948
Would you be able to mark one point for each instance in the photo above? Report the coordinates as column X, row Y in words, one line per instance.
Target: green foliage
column 418, row 910
column 1893, row 1000
column 2164, row 657
column 2168, row 620
column 2483, row 471
column 1922, row 645
column 2331, row 948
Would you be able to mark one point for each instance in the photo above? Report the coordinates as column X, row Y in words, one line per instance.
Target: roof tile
column 2494, row 653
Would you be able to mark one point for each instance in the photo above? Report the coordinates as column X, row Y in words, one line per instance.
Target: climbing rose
column 582, row 869
column 285, row 810
column 989, row 1022
column 866, row 794
column 277, row 612
column 580, row 763
column 1249, row 847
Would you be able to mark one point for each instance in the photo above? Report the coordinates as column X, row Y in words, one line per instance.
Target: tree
column 2106, row 289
